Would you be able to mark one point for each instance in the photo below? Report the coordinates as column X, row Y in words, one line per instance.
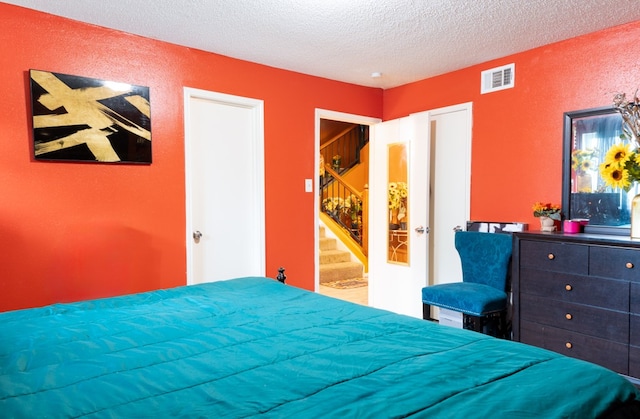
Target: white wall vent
column 498, row 78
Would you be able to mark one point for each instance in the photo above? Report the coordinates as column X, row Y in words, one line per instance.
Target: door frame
column 334, row 116
column 338, row 116
column 255, row 164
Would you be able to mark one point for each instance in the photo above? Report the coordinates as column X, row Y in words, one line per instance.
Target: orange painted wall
column 517, row 133
column 72, row 231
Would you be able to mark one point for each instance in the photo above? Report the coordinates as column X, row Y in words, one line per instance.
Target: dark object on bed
column 481, row 296
column 281, row 276
column 251, row 346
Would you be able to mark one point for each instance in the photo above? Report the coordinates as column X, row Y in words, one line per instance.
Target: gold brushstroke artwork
column 85, row 119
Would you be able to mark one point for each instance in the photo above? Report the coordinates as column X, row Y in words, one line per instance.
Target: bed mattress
column 252, row 347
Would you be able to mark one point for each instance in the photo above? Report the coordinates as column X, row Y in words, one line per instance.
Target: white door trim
column 334, row 116
column 256, row 164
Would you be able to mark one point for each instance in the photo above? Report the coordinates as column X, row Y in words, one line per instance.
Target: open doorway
column 451, row 132
column 342, row 159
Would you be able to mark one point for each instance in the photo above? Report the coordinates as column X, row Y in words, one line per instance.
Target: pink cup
column 571, row 226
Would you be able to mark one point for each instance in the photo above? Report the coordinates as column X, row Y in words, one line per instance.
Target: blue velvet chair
column 481, row 296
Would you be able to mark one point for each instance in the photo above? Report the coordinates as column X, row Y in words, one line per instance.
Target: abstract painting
column 85, row 119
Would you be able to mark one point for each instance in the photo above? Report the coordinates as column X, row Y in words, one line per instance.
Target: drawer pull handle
column 568, row 287
column 569, row 345
column 629, row 265
column 551, row 256
column 568, row 316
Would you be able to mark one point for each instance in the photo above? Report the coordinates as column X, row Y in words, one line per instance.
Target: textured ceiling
column 348, row 40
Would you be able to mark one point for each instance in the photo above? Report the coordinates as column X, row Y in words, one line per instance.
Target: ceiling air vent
column 498, row 78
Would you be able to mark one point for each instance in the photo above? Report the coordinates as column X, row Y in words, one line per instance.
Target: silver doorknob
column 422, row 230
column 197, row 236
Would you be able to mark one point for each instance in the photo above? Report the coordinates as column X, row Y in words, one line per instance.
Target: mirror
column 398, row 202
column 588, row 135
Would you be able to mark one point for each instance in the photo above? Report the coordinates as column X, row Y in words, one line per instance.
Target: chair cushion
column 466, row 297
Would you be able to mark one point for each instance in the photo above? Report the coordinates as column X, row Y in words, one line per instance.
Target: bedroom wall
column 73, row 231
column 517, row 133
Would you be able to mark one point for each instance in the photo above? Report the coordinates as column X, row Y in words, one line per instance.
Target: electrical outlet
column 308, row 185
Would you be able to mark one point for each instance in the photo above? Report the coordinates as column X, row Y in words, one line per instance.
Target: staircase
column 336, row 264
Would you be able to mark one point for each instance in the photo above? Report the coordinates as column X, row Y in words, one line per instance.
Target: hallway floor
column 358, row 295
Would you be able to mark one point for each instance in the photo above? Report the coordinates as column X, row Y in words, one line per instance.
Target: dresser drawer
column 593, row 321
column 634, row 304
column 611, row 262
column 634, row 336
column 605, row 293
column 612, row 355
column 556, row 257
column 634, row 361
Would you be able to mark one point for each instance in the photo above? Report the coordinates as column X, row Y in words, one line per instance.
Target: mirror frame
column 568, row 134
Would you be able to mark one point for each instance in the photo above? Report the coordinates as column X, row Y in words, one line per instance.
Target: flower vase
column 584, row 182
column 635, row 217
column 547, row 224
column 393, row 223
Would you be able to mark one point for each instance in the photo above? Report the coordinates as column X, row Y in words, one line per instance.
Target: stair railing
column 345, row 205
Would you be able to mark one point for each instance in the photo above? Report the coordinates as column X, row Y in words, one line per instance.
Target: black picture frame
column 607, row 210
column 82, row 119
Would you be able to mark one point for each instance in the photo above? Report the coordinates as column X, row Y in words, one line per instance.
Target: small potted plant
column 548, row 215
column 336, row 161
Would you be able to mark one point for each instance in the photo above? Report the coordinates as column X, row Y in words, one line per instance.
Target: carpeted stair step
column 334, row 256
column 330, row 272
column 328, row 243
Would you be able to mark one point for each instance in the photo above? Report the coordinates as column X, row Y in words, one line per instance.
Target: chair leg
column 426, row 312
column 505, row 332
column 470, row 322
column 494, row 324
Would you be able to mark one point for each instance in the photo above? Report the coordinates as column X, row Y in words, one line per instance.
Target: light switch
column 308, row 185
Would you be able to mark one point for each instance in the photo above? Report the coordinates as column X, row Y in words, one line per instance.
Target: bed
column 253, row 346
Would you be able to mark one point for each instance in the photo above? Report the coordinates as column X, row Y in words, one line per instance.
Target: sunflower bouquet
column 397, row 194
column 352, row 207
column 582, row 161
column 621, row 166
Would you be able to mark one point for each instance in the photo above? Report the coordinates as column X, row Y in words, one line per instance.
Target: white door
column 397, row 286
column 450, row 182
column 439, row 165
column 224, row 171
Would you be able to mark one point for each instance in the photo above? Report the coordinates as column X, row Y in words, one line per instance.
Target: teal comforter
column 255, row 347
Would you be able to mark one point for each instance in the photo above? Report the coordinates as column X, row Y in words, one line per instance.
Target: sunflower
column 575, row 161
column 618, row 155
column 615, row 176
column 398, row 194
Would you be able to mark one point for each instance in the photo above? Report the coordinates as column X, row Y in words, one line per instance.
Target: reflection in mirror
column 588, row 135
column 398, row 193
